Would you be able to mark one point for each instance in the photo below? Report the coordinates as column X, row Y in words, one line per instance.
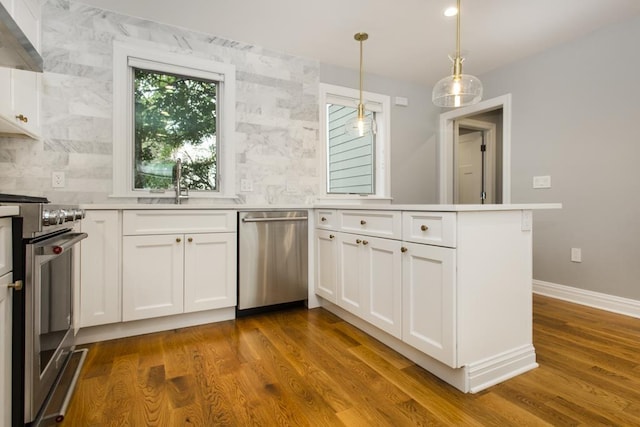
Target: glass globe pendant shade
column 360, row 125
column 457, row 91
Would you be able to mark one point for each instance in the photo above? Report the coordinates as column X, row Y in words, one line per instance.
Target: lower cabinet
column 428, row 280
column 177, row 273
column 369, row 272
column 100, row 286
column 326, row 268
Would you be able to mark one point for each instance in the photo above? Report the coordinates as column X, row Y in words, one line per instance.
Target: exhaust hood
column 16, row 51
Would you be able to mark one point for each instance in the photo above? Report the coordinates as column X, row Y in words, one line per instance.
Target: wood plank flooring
column 309, row 368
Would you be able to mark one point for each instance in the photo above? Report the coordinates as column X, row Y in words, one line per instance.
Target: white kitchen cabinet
column 429, row 300
column 326, row 265
column 6, row 310
column 100, row 284
column 209, row 271
column 20, row 102
column 369, row 280
column 152, row 276
column 167, row 273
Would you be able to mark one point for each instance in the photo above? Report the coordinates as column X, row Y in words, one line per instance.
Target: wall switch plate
column 57, row 179
column 246, row 186
column 542, row 181
column 401, row 101
column 576, row 255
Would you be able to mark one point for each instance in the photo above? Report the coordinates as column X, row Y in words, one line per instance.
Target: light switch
column 576, row 255
column 542, row 181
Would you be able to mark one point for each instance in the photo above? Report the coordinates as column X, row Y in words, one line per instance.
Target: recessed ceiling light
column 451, row 11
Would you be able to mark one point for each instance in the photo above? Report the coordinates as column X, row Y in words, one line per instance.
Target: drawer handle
column 363, row 222
column 323, row 219
column 17, row 286
column 22, row 118
column 365, row 242
column 178, row 240
column 331, row 236
column 424, row 228
column 403, row 249
column 190, row 239
column 358, row 241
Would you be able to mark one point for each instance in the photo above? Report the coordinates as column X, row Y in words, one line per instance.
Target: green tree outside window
column 175, row 117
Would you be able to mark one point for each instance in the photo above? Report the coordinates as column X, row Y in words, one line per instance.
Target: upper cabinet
column 19, row 54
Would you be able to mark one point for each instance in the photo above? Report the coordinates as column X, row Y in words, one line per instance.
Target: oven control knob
column 80, row 214
column 50, row 217
column 70, row 215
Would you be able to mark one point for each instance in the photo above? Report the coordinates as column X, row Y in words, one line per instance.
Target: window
column 350, row 159
column 354, row 165
column 164, row 112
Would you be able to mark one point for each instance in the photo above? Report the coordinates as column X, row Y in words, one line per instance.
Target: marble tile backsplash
column 276, row 144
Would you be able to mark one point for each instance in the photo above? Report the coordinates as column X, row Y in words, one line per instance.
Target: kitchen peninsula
column 448, row 286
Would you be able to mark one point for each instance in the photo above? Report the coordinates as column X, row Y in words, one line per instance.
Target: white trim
column 492, row 371
column 381, row 104
column 142, row 53
column 445, row 145
column 612, row 303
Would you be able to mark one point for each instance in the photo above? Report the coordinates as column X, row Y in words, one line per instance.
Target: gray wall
column 414, row 133
column 575, row 108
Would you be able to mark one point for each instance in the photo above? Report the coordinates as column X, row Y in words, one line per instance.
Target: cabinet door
column 152, row 276
column 326, row 260
column 100, row 287
column 350, row 287
column 381, row 266
column 429, row 300
column 26, row 100
column 6, row 257
column 209, row 271
column 6, row 299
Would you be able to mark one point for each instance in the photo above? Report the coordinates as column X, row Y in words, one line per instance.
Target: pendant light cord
column 360, row 72
column 458, row 31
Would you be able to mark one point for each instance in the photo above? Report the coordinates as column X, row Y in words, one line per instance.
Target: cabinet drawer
column 433, row 228
column 182, row 221
column 373, row 223
column 326, row 218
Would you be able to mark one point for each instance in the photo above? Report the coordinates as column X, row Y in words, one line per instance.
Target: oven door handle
column 60, row 245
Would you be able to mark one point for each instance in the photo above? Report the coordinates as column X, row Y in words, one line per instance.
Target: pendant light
column 361, row 124
column 457, row 90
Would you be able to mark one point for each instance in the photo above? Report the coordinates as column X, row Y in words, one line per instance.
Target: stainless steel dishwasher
column 272, row 259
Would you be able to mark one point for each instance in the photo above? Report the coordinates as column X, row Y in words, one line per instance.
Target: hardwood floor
column 309, row 368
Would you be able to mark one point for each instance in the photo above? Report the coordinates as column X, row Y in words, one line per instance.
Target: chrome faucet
column 181, row 193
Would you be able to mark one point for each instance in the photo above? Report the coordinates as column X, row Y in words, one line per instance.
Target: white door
column 326, row 272
column 470, row 169
column 152, row 276
column 350, row 292
column 25, row 92
column 209, row 271
column 100, row 286
column 428, row 307
column 382, row 275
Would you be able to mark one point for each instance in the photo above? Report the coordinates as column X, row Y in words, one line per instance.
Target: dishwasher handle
column 275, row 219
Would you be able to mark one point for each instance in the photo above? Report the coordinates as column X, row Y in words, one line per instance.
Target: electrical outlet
column 576, row 255
column 246, row 186
column 57, row 179
column 542, row 181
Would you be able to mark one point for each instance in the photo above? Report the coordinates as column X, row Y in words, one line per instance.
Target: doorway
column 475, row 148
column 467, row 175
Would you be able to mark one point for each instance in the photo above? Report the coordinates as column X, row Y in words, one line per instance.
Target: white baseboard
column 626, row 306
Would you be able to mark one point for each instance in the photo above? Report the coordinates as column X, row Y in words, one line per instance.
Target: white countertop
column 9, row 210
column 386, row 207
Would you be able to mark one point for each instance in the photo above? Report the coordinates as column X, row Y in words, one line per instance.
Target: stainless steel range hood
column 16, row 51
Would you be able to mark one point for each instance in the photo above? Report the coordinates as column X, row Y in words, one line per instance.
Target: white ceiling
column 408, row 39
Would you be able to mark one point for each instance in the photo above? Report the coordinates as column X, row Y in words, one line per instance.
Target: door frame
column 446, row 165
column 488, row 131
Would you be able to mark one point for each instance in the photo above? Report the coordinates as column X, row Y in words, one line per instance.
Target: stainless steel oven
column 43, row 337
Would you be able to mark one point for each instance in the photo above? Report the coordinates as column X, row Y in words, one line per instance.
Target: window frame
column 128, row 56
column 381, row 105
